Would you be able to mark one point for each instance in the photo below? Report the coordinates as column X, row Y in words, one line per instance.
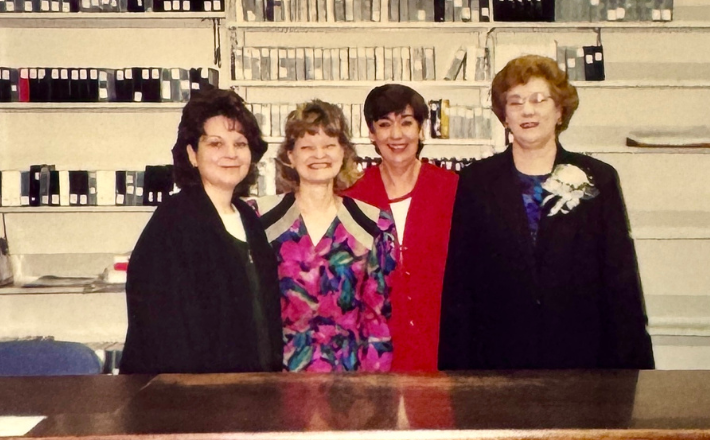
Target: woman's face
column 223, row 157
column 317, row 158
column 396, row 136
column 531, row 114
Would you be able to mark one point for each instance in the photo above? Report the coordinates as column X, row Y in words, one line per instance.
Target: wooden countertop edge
column 526, row 434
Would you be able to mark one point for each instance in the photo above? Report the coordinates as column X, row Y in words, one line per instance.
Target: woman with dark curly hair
column 202, row 289
column 335, row 254
column 542, row 271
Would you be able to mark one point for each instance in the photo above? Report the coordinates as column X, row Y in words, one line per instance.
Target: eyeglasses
column 516, row 102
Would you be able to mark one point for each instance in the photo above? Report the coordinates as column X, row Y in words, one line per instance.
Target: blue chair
column 47, row 358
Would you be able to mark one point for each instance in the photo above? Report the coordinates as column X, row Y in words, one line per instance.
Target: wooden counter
column 485, row 405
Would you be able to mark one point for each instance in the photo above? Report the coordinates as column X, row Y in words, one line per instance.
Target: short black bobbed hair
column 206, row 104
column 394, row 98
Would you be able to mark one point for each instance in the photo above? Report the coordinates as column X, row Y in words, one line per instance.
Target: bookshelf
column 657, row 75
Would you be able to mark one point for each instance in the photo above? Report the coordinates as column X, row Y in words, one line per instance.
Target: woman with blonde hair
column 335, row 255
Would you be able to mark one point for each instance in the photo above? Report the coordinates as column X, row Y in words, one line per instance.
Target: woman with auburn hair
column 542, row 270
column 335, row 254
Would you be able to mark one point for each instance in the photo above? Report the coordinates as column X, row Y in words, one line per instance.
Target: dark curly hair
column 206, row 104
column 520, row 70
column 394, row 98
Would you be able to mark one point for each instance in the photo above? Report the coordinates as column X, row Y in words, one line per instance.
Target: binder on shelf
column 448, row 11
column 64, row 188
column 435, row 118
column 439, row 10
column 7, row 85
column 158, row 184
column 150, row 84
column 366, row 63
column 255, row 61
column 319, row 57
column 105, row 188
column 291, row 63
column 388, row 64
column 34, row 185
column 393, row 10
column 403, row 10
column 264, row 64
column 339, row 10
column 362, row 64
column 343, row 67
column 597, row 10
column 11, row 190
column 444, row 118
column 417, row 60
column 355, row 119
column 78, row 188
column 380, row 63
column 120, row 185
column 54, row 188
column 336, row 63
column 367, row 7
column 397, row 64
column 278, row 10
column 406, row 64
column 352, row 72
column 275, row 117
column 455, row 67
column 249, row 10
column 429, row 64
column 324, row 65
column 596, row 53
column 484, row 10
column 92, row 190
column 308, row 64
column 43, row 185
column 209, row 78
column 300, row 64
column 129, row 187
column 25, row 188
column 107, row 85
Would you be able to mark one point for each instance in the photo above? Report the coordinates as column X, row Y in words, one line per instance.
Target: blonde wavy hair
column 310, row 117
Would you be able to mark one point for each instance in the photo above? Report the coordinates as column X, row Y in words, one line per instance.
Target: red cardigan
column 418, row 279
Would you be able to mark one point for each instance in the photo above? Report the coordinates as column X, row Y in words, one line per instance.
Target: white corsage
column 570, row 185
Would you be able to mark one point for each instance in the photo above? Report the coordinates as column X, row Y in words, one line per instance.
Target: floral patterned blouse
column 334, row 293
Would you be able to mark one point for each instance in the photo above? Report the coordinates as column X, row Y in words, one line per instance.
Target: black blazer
column 191, row 308
column 573, row 300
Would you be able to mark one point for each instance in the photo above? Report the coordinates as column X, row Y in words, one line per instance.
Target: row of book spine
column 365, row 10
column 334, row 64
column 439, row 10
column 454, row 164
column 133, row 84
column 584, row 63
column 458, row 121
column 613, row 10
column 9, row 6
column 42, row 185
column 446, row 121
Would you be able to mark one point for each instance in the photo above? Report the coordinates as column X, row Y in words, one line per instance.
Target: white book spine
column 11, row 188
column 105, row 188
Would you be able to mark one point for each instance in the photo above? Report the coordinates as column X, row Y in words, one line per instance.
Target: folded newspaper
column 682, row 137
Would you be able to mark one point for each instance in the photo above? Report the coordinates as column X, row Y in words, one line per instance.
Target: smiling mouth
column 397, row 147
column 319, row 166
column 529, row 125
